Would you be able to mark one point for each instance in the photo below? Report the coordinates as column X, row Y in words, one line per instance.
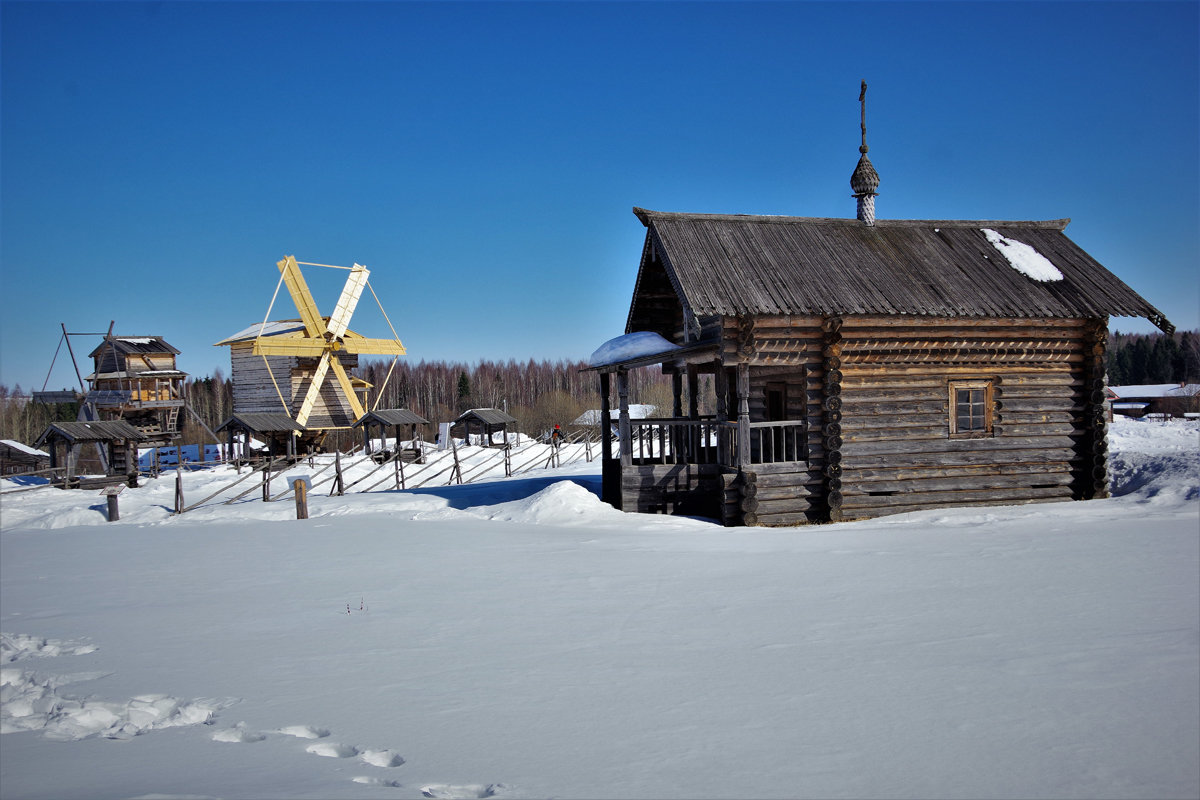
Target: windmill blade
column 314, row 389
column 339, row 321
column 373, row 347
column 347, row 388
column 302, row 348
column 314, row 325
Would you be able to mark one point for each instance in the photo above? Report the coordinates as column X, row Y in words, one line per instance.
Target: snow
column 1023, row 258
column 630, row 346
column 1156, row 390
column 636, row 411
column 136, row 339
column 24, row 448
column 273, row 328
column 520, row 638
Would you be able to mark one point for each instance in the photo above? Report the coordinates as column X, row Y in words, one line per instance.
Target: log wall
column 898, row 452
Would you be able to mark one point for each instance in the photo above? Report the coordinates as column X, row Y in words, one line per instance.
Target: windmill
column 302, row 353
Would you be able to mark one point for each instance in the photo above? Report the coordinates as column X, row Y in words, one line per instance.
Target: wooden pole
column 301, row 498
column 114, row 513
column 338, row 486
column 179, row 506
column 623, row 427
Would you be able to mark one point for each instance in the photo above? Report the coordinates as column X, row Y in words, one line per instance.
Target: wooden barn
column 865, row 367
column 135, row 379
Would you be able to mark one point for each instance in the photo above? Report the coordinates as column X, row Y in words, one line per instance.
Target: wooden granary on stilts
column 864, row 367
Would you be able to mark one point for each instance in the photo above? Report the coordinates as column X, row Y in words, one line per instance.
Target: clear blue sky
column 482, row 158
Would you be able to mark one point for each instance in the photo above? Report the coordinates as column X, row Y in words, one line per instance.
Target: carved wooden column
column 743, row 421
column 623, row 428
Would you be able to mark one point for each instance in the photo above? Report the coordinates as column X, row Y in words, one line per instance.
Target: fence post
column 179, row 492
column 508, row 459
column 399, row 465
column 301, row 498
column 457, row 473
column 337, row 468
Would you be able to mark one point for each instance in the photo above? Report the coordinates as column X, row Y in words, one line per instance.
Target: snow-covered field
column 518, row 638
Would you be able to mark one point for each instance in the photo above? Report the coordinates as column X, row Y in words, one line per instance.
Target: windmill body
column 300, row 366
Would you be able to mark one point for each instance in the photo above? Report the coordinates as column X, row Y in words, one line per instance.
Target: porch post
column 677, row 393
column 743, row 422
column 721, row 385
column 605, row 420
column 623, row 419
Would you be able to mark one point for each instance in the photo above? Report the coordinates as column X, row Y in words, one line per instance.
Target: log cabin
column 862, row 367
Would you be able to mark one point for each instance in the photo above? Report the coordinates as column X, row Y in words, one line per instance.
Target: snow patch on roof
column 631, row 345
column 1023, row 258
column 24, row 448
column 264, row 329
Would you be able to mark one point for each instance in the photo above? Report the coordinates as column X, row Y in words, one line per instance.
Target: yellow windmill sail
column 324, row 338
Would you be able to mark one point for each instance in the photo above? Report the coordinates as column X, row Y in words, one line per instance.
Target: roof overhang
column 698, row 353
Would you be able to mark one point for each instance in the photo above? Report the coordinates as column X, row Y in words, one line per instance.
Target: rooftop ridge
column 646, row 215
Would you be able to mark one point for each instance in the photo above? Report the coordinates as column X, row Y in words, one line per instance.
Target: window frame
column 989, row 407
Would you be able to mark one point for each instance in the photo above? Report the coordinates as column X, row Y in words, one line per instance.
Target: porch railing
column 710, row 441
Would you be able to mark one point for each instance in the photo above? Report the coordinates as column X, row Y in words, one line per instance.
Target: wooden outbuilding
column 276, row 431
column 487, row 422
column 118, row 439
column 17, row 458
column 135, row 379
column 865, row 367
column 396, row 419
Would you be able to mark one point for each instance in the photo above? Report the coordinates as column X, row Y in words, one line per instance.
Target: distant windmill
column 301, row 353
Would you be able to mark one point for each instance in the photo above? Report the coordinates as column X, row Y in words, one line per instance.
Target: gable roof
column 96, row 431
column 730, row 265
column 134, row 345
column 391, row 416
column 488, row 416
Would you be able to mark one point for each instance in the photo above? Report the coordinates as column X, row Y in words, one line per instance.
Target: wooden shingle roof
column 391, row 416
column 96, row 431
column 135, row 345
column 488, row 416
column 261, row 422
column 751, row 265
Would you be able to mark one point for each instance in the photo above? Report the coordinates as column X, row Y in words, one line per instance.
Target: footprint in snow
column 304, row 731
column 377, row 782
column 470, row 791
column 332, row 750
column 238, row 733
column 381, row 758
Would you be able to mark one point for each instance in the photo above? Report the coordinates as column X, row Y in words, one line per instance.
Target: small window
column 970, row 408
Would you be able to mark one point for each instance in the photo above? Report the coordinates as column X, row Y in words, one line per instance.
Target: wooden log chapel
column 864, row 367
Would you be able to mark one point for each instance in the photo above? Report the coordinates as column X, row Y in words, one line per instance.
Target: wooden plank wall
column 790, row 350
column 689, row 489
column 897, row 453
column 253, row 391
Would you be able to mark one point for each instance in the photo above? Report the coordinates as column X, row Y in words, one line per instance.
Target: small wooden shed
column 487, row 421
column 865, row 367
column 396, row 419
column 278, row 431
column 118, row 438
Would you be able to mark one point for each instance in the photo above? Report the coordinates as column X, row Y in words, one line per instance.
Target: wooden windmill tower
column 299, row 367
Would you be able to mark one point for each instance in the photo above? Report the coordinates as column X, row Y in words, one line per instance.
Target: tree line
column 541, row 394
column 538, row 394
column 1136, row 359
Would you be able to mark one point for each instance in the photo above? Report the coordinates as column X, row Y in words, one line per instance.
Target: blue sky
column 482, row 158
